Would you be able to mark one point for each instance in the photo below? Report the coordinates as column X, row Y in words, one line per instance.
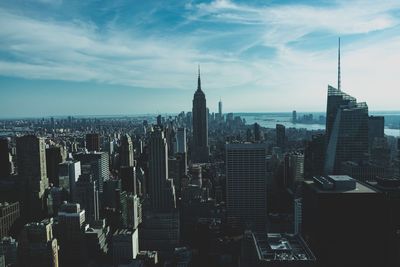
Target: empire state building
column 200, row 149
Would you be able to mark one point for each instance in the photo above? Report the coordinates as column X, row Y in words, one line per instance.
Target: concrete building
column 246, row 180
column 126, row 151
column 343, row 221
column 162, row 190
column 9, row 213
column 275, row 250
column 200, row 148
column 31, row 163
column 92, row 142
column 36, row 245
column 125, row 246
column 68, row 175
column 99, row 166
column 8, row 248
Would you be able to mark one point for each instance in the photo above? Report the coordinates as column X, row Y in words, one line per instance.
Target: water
column 269, row 120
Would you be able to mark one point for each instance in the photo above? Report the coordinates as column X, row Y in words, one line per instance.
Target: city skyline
column 121, row 59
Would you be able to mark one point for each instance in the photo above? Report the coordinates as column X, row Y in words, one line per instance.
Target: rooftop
column 282, row 247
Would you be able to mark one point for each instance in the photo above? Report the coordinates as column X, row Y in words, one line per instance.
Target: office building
column 314, row 156
column 93, row 142
column 70, row 234
column 9, row 249
column 9, row 213
column 343, row 221
column 161, row 188
column 181, row 146
column 294, row 116
column 31, row 163
column 126, row 151
column 36, row 245
column 5, row 162
column 280, row 136
column 54, row 156
column 125, row 246
column 99, row 166
column 160, row 231
column 68, row 175
column 347, row 130
column 127, row 175
column 376, row 128
column 257, row 132
column 246, row 180
column 96, row 240
column 87, row 195
column 275, row 250
column 200, row 149
column 220, row 109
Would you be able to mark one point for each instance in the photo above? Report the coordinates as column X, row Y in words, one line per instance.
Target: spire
column 339, row 66
column 198, row 80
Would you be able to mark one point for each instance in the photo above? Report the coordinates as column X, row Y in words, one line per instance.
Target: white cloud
column 79, row 51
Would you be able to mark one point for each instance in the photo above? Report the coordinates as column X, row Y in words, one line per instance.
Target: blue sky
column 60, row 57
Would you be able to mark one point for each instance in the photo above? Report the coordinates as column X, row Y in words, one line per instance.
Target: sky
column 110, row 57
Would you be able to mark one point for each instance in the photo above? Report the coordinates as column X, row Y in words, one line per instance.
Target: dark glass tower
column 200, row 149
column 346, row 130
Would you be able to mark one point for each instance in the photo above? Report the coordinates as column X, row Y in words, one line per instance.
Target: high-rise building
column 341, row 210
column 246, row 180
column 280, row 135
column 87, row 195
column 36, row 245
column 200, row 149
column 70, row 234
column 376, row 128
column 31, row 163
column 9, row 213
column 5, row 162
column 181, row 141
column 257, row 132
column 125, row 246
column 68, row 175
column 127, row 175
column 126, row 151
column 294, row 116
column 220, row 109
column 346, row 130
column 54, row 156
column 93, row 142
column 314, row 156
column 162, row 191
column 8, row 248
column 99, row 166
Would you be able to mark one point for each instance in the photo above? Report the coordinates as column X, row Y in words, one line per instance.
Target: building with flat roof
column 9, row 213
column 343, row 221
column 275, row 249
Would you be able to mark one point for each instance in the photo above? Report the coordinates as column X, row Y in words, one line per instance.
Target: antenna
column 339, row 67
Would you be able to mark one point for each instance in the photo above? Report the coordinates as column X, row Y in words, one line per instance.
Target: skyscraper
column 220, row 109
column 126, row 151
column 346, row 128
column 31, row 163
column 5, row 163
column 181, row 141
column 280, row 135
column 54, row 156
column 93, row 142
column 200, row 149
column 246, row 181
column 37, row 246
column 99, row 165
column 162, row 191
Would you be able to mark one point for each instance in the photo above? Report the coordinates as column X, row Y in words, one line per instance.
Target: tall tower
column 220, row 108
column 162, row 191
column 346, row 128
column 31, row 163
column 200, row 149
column 246, row 188
column 126, row 151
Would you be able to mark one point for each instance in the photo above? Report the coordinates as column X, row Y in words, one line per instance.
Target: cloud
column 81, row 50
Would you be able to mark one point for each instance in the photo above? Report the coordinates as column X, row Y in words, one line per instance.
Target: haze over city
column 115, row 57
